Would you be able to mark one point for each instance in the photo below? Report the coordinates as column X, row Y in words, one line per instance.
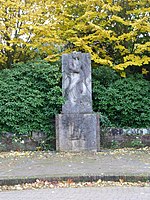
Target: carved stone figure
column 77, row 83
column 75, row 86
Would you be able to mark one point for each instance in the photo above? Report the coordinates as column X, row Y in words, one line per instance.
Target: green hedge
column 30, row 96
column 125, row 101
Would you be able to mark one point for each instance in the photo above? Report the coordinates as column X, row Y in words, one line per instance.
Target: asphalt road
column 96, row 193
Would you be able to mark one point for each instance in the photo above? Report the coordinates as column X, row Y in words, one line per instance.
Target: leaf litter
column 41, row 154
column 41, row 184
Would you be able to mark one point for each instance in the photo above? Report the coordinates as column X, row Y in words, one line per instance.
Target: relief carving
column 77, row 83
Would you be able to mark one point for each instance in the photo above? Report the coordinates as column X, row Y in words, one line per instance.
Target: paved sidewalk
column 108, row 164
column 99, row 193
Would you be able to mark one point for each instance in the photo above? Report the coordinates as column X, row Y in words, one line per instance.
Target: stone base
column 77, row 132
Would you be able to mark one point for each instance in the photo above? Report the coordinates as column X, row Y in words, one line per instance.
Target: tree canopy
column 115, row 32
column 22, row 23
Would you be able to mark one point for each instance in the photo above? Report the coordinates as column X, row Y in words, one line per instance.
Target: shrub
column 125, row 101
column 30, row 96
column 104, row 76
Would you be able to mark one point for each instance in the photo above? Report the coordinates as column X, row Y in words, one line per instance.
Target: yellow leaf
column 144, row 71
column 123, row 74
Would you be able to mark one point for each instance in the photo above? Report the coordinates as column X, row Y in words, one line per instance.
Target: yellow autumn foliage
column 115, row 33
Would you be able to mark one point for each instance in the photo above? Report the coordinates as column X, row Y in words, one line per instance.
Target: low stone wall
column 119, row 137
column 110, row 137
column 9, row 141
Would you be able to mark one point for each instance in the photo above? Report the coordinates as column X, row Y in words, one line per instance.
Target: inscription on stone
column 79, row 132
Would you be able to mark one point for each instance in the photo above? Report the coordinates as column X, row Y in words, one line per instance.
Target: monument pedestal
column 77, row 128
column 77, row 132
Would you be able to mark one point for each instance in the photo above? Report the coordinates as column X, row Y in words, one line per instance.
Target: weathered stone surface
column 129, row 137
column 77, row 132
column 10, row 141
column 76, row 83
column 77, row 128
column 127, row 131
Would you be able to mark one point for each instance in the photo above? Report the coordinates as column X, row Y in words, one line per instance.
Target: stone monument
column 77, row 127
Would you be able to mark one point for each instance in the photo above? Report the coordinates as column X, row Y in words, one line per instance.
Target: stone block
column 77, row 132
column 76, row 83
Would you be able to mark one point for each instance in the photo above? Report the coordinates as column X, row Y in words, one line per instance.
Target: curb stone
column 16, row 181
